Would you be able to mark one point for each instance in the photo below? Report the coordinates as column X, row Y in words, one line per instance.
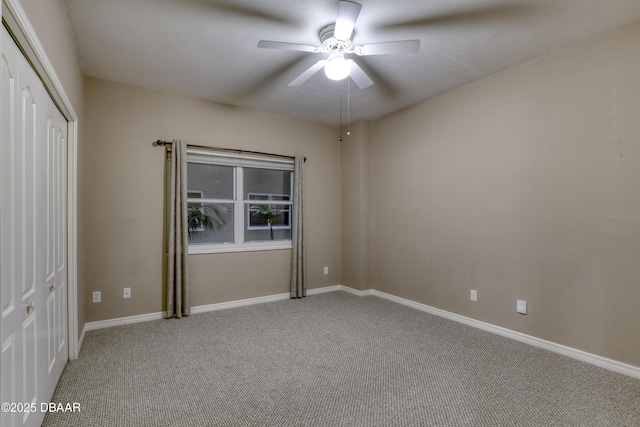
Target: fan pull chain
column 348, row 106
column 340, row 124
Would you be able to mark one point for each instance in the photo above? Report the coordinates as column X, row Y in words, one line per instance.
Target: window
column 238, row 203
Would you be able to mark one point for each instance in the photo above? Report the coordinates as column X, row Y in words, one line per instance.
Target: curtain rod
column 159, row 143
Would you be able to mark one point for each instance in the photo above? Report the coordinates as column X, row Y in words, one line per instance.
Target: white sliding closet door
column 33, row 247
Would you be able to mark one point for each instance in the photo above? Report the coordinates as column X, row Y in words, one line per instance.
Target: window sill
column 239, row 247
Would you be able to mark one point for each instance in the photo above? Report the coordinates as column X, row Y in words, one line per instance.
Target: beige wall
column 524, row 185
column 355, row 206
column 125, row 182
column 49, row 19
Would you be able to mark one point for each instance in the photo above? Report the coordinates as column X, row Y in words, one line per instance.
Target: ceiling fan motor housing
column 332, row 44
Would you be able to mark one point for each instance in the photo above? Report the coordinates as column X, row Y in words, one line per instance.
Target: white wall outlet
column 326, row 270
column 521, row 306
column 97, row 296
column 473, row 295
column 126, row 293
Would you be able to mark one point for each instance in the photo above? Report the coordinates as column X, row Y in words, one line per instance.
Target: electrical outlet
column 97, row 296
column 474, row 295
column 521, row 306
column 126, row 293
column 326, row 270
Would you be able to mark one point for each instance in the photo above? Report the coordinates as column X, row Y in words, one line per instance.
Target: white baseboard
column 324, row 290
column 101, row 324
column 119, row 321
column 603, row 362
column 239, row 303
column 357, row 292
column 335, row 288
column 80, row 341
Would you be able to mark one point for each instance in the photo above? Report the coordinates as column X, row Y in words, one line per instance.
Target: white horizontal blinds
column 242, row 160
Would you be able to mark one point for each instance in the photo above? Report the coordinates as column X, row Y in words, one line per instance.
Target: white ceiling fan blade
column 387, row 48
column 298, row 81
column 266, row 44
column 346, row 20
column 359, row 76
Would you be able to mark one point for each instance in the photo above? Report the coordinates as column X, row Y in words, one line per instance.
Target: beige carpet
column 332, row 360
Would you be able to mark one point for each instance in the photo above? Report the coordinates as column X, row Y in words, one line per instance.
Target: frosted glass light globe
column 337, row 68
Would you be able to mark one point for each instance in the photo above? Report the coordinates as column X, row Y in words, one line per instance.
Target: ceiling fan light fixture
column 337, row 68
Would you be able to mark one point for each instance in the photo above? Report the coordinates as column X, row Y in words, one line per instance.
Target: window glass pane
column 209, row 181
column 210, row 223
column 267, row 222
column 266, row 184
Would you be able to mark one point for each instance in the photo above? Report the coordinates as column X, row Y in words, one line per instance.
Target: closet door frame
column 15, row 19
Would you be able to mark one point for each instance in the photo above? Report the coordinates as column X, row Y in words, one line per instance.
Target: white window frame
column 240, row 206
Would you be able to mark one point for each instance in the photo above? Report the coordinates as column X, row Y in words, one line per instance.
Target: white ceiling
column 207, row 49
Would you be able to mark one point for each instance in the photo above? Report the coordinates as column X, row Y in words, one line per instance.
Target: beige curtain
column 177, row 234
column 298, row 256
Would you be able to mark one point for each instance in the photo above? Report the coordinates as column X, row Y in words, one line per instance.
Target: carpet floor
column 332, row 359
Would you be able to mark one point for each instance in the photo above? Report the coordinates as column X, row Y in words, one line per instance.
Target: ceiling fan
column 336, row 41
